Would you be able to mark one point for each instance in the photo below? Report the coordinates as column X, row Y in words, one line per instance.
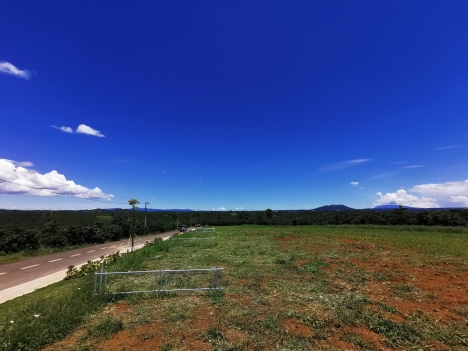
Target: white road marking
column 58, row 259
column 34, row 265
column 75, row 255
column 102, row 248
column 91, row 251
column 3, row 273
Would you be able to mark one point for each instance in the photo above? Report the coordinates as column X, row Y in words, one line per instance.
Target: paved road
column 16, row 273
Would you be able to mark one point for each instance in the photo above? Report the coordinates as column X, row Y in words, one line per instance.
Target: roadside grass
column 286, row 288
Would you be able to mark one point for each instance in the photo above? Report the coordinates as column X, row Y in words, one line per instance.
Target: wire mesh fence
column 195, row 241
column 159, row 281
column 204, row 229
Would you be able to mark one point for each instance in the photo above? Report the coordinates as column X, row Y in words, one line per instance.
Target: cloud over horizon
column 53, row 181
column 433, row 195
column 401, row 197
column 8, row 68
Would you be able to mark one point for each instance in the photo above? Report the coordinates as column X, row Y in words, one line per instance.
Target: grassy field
column 286, row 288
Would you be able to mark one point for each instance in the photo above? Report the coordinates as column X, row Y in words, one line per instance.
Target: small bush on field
column 90, row 267
column 313, row 267
column 351, row 310
column 168, row 346
column 389, row 309
column 212, row 334
column 397, row 334
column 405, row 291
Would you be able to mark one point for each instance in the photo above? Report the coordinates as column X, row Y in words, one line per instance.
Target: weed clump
column 105, row 329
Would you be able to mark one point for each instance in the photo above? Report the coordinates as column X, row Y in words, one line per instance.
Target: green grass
column 265, row 287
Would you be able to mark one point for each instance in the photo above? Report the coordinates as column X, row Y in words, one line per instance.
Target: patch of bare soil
column 336, row 343
column 242, row 299
column 121, row 307
column 293, row 327
column 352, row 244
column 235, row 335
column 439, row 289
column 153, row 336
column 286, row 239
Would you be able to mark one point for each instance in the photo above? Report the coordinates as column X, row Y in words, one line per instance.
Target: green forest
column 30, row 230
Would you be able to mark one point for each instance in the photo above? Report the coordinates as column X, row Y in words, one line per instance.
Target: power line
column 62, row 194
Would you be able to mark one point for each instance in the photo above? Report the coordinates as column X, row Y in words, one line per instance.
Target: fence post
column 95, row 281
column 105, row 283
column 212, row 279
column 100, row 278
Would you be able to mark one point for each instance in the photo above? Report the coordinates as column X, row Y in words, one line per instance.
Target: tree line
column 51, row 235
column 104, row 226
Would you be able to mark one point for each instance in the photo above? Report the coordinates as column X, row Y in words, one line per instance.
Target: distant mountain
column 332, row 208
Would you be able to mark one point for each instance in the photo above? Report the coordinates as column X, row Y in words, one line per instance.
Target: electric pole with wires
column 146, row 203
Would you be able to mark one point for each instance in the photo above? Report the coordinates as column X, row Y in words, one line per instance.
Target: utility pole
column 133, row 203
column 146, row 203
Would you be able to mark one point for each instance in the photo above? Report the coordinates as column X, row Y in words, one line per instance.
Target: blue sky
column 215, row 104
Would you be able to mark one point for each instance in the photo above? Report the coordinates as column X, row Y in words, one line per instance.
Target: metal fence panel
column 158, row 281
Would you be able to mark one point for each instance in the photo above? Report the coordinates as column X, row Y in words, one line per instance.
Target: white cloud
column 415, row 166
column 81, row 129
column 8, row 68
column 342, row 165
column 433, row 195
column 383, row 175
column 443, row 190
column 354, row 183
column 218, row 209
column 401, row 197
column 461, row 199
column 63, row 129
column 84, row 129
column 20, row 164
column 52, row 181
column 447, row 147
